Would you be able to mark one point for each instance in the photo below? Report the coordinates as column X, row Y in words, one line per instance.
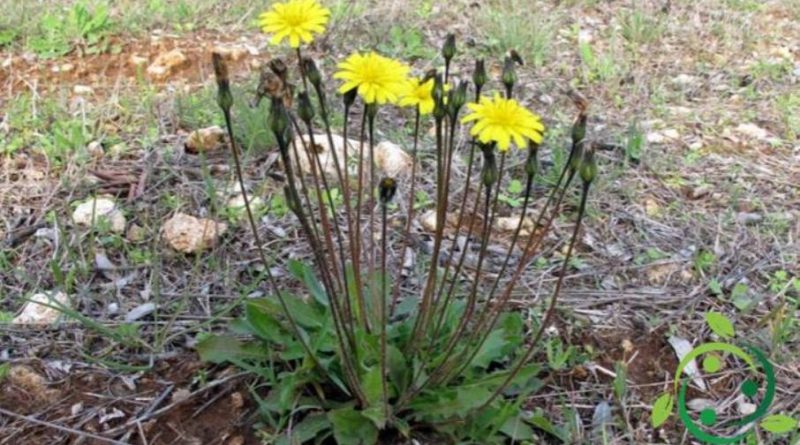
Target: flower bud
column 456, row 99
column 372, row 111
column 449, row 47
column 312, row 72
column 479, row 75
column 279, row 122
column 304, row 108
column 588, row 169
column 350, row 97
column 439, row 109
column 386, row 190
column 509, row 76
column 224, row 96
column 579, row 129
column 532, row 163
column 489, row 171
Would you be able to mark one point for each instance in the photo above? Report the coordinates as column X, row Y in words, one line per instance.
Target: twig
column 56, row 426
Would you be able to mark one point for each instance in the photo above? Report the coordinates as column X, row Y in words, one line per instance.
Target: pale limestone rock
column 188, row 234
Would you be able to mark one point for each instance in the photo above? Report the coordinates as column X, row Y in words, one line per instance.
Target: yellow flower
column 501, row 120
column 378, row 79
column 419, row 94
column 296, row 19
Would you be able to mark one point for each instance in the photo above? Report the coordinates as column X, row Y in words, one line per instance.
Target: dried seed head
column 278, row 66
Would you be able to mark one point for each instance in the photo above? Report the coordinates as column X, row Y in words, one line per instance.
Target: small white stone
column 188, row 234
column 82, row 90
column 91, row 211
column 392, row 160
column 35, row 311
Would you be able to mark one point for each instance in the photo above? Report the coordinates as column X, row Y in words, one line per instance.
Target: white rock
column 205, row 139
column 35, row 311
column 326, row 155
column 188, row 234
column 237, row 206
column 92, row 211
column 752, row 131
column 82, row 90
column 684, row 79
column 510, row 223
column 166, row 64
column 428, row 220
column 392, row 160
column 137, row 60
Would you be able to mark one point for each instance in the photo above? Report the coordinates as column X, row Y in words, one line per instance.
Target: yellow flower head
column 500, row 120
column 419, row 94
column 296, row 19
column 378, row 79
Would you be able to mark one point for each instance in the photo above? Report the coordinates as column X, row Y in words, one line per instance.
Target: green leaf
column 221, row 348
column 305, row 274
column 350, row 427
column 399, row 370
column 620, row 385
column 373, row 385
column 517, row 429
column 543, row 423
column 263, row 323
column 306, row 430
column 779, row 424
column 662, row 409
column 4, row 368
column 377, row 414
column 720, row 324
column 491, row 350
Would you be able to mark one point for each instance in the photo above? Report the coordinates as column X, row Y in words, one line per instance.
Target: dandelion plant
column 372, row 349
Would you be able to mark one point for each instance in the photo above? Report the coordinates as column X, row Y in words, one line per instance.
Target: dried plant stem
column 356, row 236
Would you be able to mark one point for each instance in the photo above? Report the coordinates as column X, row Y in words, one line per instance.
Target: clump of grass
column 527, row 30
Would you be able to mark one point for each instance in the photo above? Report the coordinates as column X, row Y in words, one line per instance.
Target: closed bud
column 479, row 75
column 449, row 47
column 372, row 111
column 224, row 96
column 579, row 129
column 312, row 72
column 509, row 76
column 387, row 189
column 457, row 99
column 489, row 172
column 350, row 97
column 532, row 163
column 279, row 122
column 439, row 109
column 304, row 108
column 588, row 169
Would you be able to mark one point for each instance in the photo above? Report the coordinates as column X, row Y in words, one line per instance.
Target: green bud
column 579, row 129
column 386, row 190
column 588, row 169
column 489, row 171
column 479, row 77
column 509, row 76
column 350, row 97
column 224, row 96
column 532, row 163
column 312, row 72
column 279, row 122
column 456, row 99
column 372, row 111
column 449, row 47
column 304, row 108
column 439, row 110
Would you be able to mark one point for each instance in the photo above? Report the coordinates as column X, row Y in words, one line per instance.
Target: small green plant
column 406, row 42
column 82, row 28
column 514, row 191
column 704, row 261
column 361, row 352
column 640, row 27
